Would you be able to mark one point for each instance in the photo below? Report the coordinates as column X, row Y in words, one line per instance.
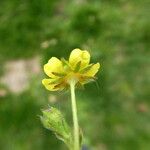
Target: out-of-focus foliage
column 115, row 114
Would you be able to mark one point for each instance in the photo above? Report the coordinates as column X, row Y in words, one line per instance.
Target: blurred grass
column 114, row 116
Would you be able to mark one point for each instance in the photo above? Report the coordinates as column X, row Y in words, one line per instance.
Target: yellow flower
column 77, row 68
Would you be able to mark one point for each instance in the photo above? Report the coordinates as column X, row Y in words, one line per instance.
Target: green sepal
column 57, row 81
column 77, row 67
column 66, row 64
column 64, row 61
column 84, row 70
column 58, row 74
column 89, row 79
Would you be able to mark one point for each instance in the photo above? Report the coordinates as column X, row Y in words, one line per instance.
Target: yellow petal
column 93, row 70
column 49, row 85
column 53, row 65
column 77, row 56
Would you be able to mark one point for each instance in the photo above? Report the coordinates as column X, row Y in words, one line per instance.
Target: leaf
column 53, row 120
column 80, row 137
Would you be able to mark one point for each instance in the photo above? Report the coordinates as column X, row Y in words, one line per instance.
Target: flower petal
column 77, row 56
column 53, row 65
column 49, row 85
column 93, row 70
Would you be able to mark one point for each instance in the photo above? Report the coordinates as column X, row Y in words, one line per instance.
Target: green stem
column 75, row 117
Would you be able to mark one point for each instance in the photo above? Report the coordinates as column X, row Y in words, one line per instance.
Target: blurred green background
column 114, row 115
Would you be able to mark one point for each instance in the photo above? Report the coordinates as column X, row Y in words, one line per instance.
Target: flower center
column 72, row 77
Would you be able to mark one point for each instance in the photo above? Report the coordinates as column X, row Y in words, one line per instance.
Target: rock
column 18, row 72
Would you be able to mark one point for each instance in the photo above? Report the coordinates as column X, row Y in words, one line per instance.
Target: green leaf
column 53, row 120
column 80, row 137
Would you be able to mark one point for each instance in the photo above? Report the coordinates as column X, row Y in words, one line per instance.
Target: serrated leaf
column 53, row 120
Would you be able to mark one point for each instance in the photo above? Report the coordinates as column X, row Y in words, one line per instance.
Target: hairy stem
column 75, row 117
